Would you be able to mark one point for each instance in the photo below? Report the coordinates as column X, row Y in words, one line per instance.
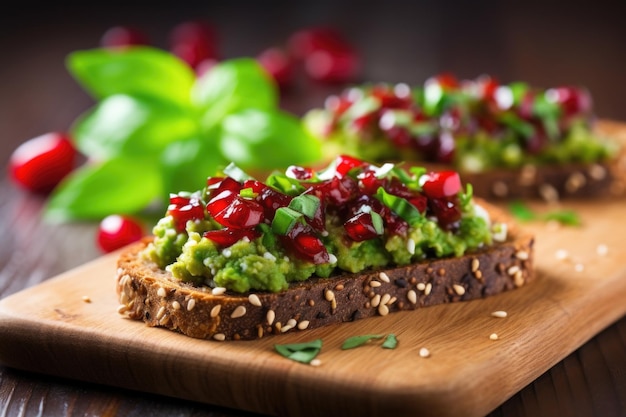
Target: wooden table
column 399, row 43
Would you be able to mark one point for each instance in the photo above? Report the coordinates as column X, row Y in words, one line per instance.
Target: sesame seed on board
column 86, row 299
column 493, row 336
column 424, row 352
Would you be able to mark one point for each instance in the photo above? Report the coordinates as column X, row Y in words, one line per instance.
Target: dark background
column 543, row 43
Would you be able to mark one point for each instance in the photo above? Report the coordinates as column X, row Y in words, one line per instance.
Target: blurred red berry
column 327, row 55
column 278, row 64
column 304, row 42
column 194, row 42
column 40, row 163
column 120, row 36
column 333, row 65
column 116, row 231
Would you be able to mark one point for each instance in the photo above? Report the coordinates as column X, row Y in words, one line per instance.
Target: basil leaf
column 120, row 185
column 523, row 213
column 300, row 352
column 138, row 71
column 356, row 341
column 126, row 125
column 232, row 86
column 186, row 164
column 260, row 139
column 390, row 342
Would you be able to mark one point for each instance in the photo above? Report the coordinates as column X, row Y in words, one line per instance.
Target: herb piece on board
column 524, row 213
column 300, row 352
column 390, row 341
column 356, row 341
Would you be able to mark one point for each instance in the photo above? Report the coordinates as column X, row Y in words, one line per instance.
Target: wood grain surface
column 580, row 290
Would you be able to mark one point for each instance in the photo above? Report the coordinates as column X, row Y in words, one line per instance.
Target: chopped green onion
column 247, row 193
column 284, row 184
column 306, row 204
column 400, row 206
column 377, row 222
column 300, row 352
column 356, row 341
column 269, row 238
column 236, row 173
column 284, row 220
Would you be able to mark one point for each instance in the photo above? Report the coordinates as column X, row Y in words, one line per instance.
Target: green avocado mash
column 263, row 264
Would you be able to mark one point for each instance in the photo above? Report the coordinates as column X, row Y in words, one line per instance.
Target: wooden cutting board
column 580, row 290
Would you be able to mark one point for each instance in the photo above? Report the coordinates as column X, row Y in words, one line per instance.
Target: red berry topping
column 361, row 227
column 227, row 237
column 194, row 42
column 122, row 36
column 278, row 64
column 39, row 164
column 573, row 100
column 299, row 173
column 231, row 210
column 183, row 209
column 116, row 231
column 302, row 240
column 441, row 184
column 446, row 210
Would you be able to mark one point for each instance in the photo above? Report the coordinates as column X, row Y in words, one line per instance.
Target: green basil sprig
column 156, row 128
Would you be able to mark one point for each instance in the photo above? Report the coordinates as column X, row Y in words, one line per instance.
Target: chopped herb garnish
column 400, row 206
column 300, row 352
column 390, row 341
column 522, row 212
column 236, row 173
column 284, row 220
column 247, row 193
column 377, row 222
column 306, row 204
column 356, row 341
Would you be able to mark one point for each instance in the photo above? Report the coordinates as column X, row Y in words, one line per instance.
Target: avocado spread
column 243, row 234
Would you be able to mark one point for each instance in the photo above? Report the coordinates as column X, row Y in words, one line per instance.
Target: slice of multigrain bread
column 151, row 294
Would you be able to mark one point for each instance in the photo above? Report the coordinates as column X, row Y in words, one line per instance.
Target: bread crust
column 150, row 294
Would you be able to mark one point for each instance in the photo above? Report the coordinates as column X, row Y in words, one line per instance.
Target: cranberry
column 194, row 42
column 227, row 237
column 39, row 164
column 116, row 231
column 446, row 81
column 346, row 163
column 183, row 209
column 338, row 191
column 231, row 210
column 397, row 97
column 420, row 202
column 573, row 100
column 278, row 65
column 360, row 227
column 525, row 108
column 441, row 184
column 121, row 36
column 303, row 43
column 333, row 65
column 302, row 240
column 446, row 210
column 271, row 200
column 217, row 184
column 299, row 173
